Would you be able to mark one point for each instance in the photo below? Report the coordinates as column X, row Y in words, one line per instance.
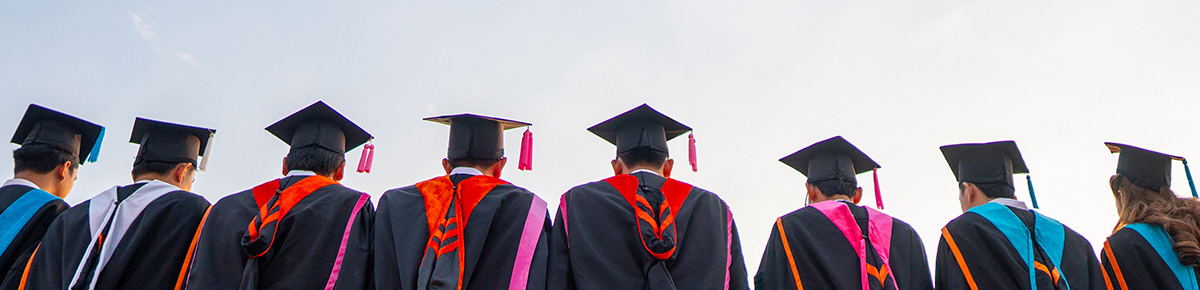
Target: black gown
column 306, row 248
column 993, row 262
column 598, row 243
column 15, row 257
column 823, row 255
column 147, row 256
column 505, row 237
column 1131, row 261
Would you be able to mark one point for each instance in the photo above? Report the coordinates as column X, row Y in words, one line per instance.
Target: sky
column 757, row 80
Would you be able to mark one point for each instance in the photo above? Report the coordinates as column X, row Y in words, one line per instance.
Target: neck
column 821, row 198
column 634, row 169
column 155, row 176
column 45, row 181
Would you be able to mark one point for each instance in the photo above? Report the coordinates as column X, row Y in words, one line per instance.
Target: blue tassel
column 95, row 154
column 1032, row 197
column 1191, row 183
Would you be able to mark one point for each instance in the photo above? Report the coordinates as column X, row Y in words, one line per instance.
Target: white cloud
column 186, row 57
column 142, row 27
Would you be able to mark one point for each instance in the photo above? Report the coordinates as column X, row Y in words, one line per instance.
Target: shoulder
column 1126, row 238
column 591, row 189
column 402, row 192
column 968, row 220
column 236, row 198
column 184, row 199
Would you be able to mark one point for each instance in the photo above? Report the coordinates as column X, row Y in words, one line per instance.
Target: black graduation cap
column 169, row 142
column 982, row 163
column 1145, row 168
column 46, row 127
column 638, row 128
column 476, row 137
column 833, row 159
column 321, row 126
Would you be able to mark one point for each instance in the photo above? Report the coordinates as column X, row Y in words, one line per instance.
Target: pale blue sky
column 757, row 79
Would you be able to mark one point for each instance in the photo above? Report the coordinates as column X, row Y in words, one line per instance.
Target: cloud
column 186, row 57
column 142, row 27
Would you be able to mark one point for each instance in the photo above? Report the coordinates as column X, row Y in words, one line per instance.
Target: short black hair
column 318, row 160
column 472, row 162
column 156, row 167
column 41, row 159
column 830, row 188
column 643, row 156
column 994, row 189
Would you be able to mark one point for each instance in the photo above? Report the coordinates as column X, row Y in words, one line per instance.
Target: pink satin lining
column 529, row 239
column 562, row 211
column 337, row 265
column 728, row 243
column 880, row 232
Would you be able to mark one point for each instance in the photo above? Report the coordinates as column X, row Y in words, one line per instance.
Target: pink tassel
column 368, row 157
column 878, row 196
column 692, row 151
column 526, row 159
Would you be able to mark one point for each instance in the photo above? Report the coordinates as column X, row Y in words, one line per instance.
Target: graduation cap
column 1147, row 169
column 482, row 137
column 169, row 142
column 644, row 127
column 319, row 125
column 982, row 163
column 42, row 126
column 834, row 159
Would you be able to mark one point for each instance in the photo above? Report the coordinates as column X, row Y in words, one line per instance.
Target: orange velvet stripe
column 187, row 261
column 962, row 264
column 1116, row 268
column 788, row 249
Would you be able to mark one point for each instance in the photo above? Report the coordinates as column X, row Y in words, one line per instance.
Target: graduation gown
column 25, row 214
column 1140, row 256
column 819, row 247
column 128, row 237
column 605, row 236
column 989, row 247
column 503, row 241
column 323, row 239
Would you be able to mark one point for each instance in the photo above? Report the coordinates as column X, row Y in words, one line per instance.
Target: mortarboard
column 993, row 162
column 319, row 125
column 482, row 137
column 1145, row 168
column 644, row 127
column 168, row 142
column 833, row 159
column 46, row 127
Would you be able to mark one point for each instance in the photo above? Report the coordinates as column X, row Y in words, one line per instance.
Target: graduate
column 467, row 229
column 833, row 243
column 132, row 236
column 1154, row 245
column 302, row 231
column 641, row 229
column 998, row 242
column 53, row 145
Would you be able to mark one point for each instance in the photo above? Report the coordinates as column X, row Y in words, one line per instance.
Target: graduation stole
column 1046, row 234
column 656, row 228
column 274, row 203
column 1158, row 239
column 439, row 193
column 877, row 235
column 20, row 212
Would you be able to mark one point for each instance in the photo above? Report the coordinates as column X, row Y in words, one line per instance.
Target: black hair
column 829, row 188
column 994, row 189
column 41, row 159
column 472, row 162
column 315, row 159
column 643, row 156
column 158, row 167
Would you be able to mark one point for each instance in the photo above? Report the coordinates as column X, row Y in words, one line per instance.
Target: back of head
column 316, row 159
column 41, row 159
column 997, row 189
column 643, row 157
column 1180, row 217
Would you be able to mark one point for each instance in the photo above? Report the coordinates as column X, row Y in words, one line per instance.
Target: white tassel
column 207, row 151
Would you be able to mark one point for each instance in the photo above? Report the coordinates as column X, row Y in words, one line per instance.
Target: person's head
column 1180, row 217
column 643, row 158
column 976, row 194
column 477, row 142
column 318, row 160
column 489, row 167
column 824, row 191
column 831, row 166
column 53, row 170
column 181, row 175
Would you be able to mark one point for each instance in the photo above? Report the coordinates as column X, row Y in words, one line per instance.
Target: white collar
column 1011, row 202
column 466, row 170
column 20, row 181
column 300, row 173
column 645, row 170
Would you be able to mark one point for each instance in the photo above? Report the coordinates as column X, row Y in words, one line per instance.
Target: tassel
column 878, row 196
column 526, row 160
column 207, row 152
column 95, row 154
column 692, row 151
column 1191, row 183
column 368, row 157
column 1032, row 197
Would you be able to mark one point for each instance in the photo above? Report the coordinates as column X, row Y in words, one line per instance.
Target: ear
column 341, row 172
column 284, row 166
column 670, row 164
column 812, row 191
column 618, row 166
column 446, row 165
column 499, row 166
column 64, row 170
column 857, row 195
column 181, row 172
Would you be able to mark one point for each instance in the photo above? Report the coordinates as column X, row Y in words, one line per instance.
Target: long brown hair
column 1179, row 216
